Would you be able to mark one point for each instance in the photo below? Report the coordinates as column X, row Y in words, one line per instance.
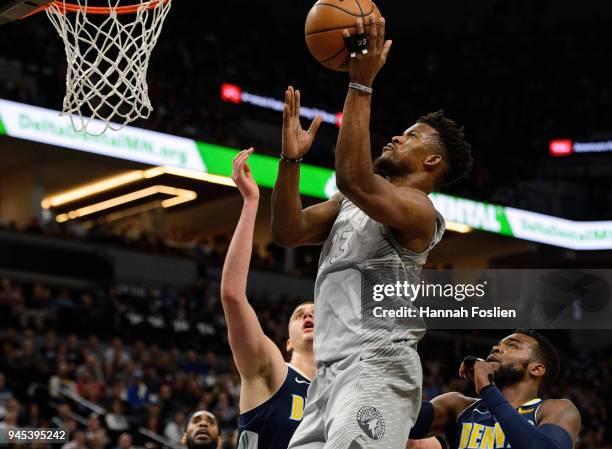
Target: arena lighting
column 179, row 196
column 458, row 227
column 92, row 189
column 232, row 93
column 126, row 178
column 560, row 147
column 565, row 147
column 114, row 216
column 208, row 177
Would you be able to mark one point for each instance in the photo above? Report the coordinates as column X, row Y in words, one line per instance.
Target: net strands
column 108, row 57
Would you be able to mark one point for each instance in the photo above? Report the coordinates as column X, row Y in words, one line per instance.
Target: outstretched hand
column 296, row 141
column 363, row 68
column 243, row 178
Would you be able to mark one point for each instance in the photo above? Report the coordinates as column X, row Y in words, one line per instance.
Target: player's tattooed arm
column 254, row 353
column 292, row 225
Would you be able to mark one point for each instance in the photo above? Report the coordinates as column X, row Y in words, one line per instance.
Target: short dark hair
column 457, row 151
column 190, row 416
column 545, row 353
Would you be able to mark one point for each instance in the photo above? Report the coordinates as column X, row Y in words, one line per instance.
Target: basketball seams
column 341, row 9
column 323, row 32
column 334, row 56
column 359, row 6
column 361, row 13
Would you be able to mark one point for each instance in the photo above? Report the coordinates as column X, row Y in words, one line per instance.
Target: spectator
column 138, row 392
column 11, row 300
column 5, row 394
column 33, row 417
column 116, row 354
column 48, row 351
column 115, row 420
column 194, row 365
column 175, row 427
column 10, row 421
column 64, row 415
column 61, row 382
column 96, row 434
column 79, row 441
column 125, row 441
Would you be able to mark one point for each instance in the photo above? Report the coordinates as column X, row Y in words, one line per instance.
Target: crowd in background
column 513, row 74
column 178, row 242
column 110, row 348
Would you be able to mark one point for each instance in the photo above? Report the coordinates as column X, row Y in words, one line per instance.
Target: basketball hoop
column 107, row 50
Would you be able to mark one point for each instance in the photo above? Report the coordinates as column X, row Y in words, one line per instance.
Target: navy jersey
column 271, row 425
column 477, row 428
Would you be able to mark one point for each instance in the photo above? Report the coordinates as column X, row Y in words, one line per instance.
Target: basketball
column 324, row 26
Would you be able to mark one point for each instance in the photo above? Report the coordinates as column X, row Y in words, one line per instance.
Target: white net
column 108, row 57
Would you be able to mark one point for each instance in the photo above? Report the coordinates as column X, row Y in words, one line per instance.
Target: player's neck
column 420, row 181
column 520, row 393
column 304, row 362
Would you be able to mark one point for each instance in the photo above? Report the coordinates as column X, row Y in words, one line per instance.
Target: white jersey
column 359, row 253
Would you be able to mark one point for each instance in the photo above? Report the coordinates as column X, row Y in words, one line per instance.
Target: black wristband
column 292, row 161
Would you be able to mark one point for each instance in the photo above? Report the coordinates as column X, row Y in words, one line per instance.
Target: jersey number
column 338, row 253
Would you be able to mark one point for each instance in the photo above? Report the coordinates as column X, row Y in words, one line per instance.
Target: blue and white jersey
column 271, row 425
column 477, row 428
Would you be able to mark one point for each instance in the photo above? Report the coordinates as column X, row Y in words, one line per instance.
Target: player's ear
column 537, row 369
column 432, row 161
column 289, row 346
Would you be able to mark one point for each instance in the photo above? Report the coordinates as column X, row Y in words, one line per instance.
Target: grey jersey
column 358, row 253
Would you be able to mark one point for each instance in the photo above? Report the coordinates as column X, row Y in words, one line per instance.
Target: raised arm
column 403, row 208
column 558, row 426
column 291, row 224
column 254, row 353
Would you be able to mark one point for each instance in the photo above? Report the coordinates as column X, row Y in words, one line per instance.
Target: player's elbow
column 284, row 238
column 345, row 186
column 230, row 295
column 355, row 192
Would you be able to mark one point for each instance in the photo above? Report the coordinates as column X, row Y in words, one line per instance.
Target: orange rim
column 102, row 10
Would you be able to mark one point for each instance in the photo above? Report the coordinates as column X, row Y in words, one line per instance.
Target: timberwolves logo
column 371, row 422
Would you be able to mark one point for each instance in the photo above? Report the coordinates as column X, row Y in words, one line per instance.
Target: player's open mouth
column 388, row 147
column 308, row 325
column 493, row 359
column 201, row 433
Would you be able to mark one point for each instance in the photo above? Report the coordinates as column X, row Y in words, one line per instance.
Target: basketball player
column 509, row 412
column 202, row 432
column 272, row 392
column 381, row 226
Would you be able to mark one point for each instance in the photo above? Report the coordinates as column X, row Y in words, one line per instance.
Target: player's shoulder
column 416, row 197
column 453, row 402
column 338, row 196
column 416, row 193
column 555, row 406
